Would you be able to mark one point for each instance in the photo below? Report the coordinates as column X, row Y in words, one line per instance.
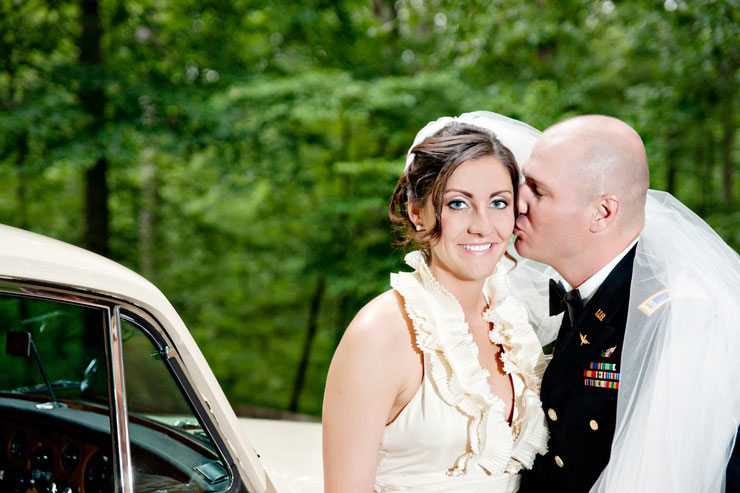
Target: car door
column 94, row 398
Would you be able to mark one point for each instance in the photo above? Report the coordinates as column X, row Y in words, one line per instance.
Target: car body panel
column 290, row 452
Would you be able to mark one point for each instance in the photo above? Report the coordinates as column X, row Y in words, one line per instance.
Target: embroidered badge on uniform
column 608, row 352
column 600, row 314
column 654, row 302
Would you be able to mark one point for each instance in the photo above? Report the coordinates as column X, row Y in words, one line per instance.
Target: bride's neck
column 469, row 294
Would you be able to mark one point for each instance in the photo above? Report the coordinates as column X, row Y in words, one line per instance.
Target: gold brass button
column 552, row 414
column 559, row 461
column 593, row 424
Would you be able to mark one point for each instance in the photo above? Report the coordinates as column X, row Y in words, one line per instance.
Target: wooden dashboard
column 70, row 450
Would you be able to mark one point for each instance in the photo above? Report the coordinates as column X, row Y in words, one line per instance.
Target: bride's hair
column 425, row 179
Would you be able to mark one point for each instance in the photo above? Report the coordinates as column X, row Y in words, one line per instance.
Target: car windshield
column 64, row 342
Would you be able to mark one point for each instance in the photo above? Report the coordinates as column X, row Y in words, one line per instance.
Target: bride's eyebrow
column 457, row 190
column 502, row 192
column 470, row 195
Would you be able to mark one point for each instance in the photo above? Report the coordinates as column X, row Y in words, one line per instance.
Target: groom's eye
column 535, row 191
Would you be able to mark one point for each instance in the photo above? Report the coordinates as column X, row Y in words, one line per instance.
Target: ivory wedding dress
column 452, row 435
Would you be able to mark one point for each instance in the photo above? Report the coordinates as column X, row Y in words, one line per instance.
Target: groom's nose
column 521, row 202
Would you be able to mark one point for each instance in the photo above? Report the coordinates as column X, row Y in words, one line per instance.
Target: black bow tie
column 560, row 300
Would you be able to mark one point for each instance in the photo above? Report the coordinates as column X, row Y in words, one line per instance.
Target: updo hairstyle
column 425, row 179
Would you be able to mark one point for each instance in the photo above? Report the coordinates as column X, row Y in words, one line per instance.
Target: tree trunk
column 96, row 208
column 148, row 215
column 704, row 161
column 728, row 167
column 671, row 158
column 21, row 192
column 313, row 317
column 92, row 99
column 342, row 321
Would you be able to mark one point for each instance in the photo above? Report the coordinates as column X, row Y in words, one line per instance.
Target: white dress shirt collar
column 590, row 285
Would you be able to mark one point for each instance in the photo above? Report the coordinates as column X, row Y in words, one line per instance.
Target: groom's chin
column 521, row 247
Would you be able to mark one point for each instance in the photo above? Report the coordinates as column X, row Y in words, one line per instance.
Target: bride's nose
column 481, row 223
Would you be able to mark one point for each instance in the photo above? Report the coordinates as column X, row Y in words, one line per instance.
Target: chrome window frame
column 114, row 310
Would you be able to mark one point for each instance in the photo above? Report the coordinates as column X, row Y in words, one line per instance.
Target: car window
column 54, row 408
column 171, row 451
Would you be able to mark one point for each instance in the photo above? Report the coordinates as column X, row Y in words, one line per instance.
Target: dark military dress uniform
column 579, row 390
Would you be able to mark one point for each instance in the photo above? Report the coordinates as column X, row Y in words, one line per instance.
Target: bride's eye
column 457, row 204
column 499, row 203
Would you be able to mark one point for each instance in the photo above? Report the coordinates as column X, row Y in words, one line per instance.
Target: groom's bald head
column 607, row 157
column 584, row 197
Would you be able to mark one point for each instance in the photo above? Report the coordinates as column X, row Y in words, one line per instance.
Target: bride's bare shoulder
column 382, row 322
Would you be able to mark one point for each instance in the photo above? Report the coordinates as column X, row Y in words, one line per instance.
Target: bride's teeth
column 477, row 248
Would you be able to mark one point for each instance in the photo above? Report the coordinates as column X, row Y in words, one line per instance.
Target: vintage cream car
column 102, row 388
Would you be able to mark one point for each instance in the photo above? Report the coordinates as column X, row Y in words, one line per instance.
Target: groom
column 581, row 210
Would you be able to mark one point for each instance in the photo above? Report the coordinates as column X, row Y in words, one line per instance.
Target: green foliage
column 252, row 147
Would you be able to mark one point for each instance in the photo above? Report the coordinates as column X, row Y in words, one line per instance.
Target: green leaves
column 252, row 147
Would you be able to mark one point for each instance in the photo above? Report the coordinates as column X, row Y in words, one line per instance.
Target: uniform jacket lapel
column 592, row 327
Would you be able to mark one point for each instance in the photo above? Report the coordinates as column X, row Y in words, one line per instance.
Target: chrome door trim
column 121, row 443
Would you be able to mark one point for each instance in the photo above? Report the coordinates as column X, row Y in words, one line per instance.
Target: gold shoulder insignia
column 654, row 302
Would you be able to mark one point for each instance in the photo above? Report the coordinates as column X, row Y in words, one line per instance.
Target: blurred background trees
column 241, row 154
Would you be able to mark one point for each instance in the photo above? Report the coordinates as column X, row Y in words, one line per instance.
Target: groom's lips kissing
column 518, row 225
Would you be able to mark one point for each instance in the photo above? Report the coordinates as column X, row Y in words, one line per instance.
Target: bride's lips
column 477, row 248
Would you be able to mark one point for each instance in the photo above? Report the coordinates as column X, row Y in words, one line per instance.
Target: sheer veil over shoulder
column 679, row 404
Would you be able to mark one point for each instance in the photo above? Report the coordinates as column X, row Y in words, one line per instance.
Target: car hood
column 290, row 452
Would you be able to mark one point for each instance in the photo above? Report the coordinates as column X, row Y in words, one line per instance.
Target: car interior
column 57, row 417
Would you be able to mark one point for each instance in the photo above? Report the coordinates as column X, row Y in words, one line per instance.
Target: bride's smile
column 478, row 249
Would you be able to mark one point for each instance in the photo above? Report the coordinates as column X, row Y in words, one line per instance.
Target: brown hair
column 435, row 159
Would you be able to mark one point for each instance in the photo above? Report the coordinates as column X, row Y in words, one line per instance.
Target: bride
column 435, row 384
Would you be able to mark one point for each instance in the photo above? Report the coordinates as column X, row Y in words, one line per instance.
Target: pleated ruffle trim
column 443, row 336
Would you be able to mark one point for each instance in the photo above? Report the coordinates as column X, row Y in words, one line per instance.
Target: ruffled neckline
column 459, row 379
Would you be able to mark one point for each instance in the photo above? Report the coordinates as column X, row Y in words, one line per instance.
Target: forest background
column 241, row 154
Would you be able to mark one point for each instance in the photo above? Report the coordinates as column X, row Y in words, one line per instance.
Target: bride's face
column 477, row 219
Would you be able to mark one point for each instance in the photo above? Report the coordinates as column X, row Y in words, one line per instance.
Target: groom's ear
column 605, row 213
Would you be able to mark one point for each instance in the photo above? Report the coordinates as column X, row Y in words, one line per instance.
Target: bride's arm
column 368, row 372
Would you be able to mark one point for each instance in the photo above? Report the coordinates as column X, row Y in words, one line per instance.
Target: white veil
column 528, row 281
column 679, row 398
